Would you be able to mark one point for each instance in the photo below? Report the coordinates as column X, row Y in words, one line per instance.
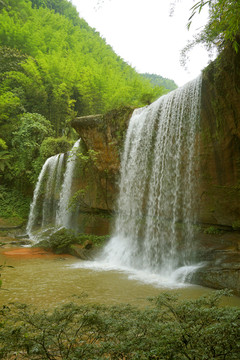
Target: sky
column 143, row 33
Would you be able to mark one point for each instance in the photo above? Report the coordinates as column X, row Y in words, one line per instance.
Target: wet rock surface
column 84, row 252
column 219, row 141
column 220, row 256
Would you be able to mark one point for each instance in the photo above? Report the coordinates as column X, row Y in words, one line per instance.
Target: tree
column 53, row 64
column 5, row 156
column 26, row 143
column 223, row 26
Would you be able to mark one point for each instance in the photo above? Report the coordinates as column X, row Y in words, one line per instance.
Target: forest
column 53, row 67
column 52, row 70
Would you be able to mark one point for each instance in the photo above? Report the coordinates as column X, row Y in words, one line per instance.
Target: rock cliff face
column 220, row 141
column 219, row 208
column 219, row 187
column 103, row 138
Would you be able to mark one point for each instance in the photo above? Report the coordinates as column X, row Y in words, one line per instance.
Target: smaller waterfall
column 49, row 209
column 49, row 201
column 63, row 216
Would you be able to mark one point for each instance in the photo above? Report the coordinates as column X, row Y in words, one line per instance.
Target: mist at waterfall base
column 49, row 210
column 153, row 237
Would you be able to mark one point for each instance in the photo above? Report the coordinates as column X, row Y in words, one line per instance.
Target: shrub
column 13, row 203
column 213, row 230
column 169, row 329
column 53, row 146
column 59, row 241
column 97, row 240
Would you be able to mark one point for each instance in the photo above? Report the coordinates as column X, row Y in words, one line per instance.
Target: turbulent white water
column 50, row 205
column 157, row 200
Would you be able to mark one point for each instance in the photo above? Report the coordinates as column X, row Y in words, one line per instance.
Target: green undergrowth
column 168, row 329
column 14, row 207
column 213, row 230
column 61, row 241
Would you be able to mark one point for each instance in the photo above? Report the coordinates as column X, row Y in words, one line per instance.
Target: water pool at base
column 47, row 280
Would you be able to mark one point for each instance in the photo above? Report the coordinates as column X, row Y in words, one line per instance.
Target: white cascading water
column 50, row 187
column 37, row 208
column 49, row 208
column 157, row 200
column 63, row 218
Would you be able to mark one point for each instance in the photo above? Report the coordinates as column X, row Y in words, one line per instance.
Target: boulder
column 83, row 252
column 220, row 257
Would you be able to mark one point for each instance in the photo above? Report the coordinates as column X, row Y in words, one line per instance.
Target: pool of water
column 46, row 280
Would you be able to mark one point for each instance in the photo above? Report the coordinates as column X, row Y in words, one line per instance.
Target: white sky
column 145, row 36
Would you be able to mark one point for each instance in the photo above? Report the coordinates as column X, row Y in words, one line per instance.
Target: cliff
column 218, row 238
column 219, row 191
column 220, row 141
column 103, row 138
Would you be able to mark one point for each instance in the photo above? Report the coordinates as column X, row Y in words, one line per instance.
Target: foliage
column 61, row 240
column 13, row 203
column 170, row 329
column 4, row 156
column 222, row 27
column 160, row 81
column 65, row 63
column 53, row 146
column 53, row 66
column 10, row 59
column 213, row 230
column 26, row 143
column 96, row 240
column 3, row 144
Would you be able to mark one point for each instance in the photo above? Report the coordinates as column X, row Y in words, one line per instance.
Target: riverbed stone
column 220, row 258
column 83, row 252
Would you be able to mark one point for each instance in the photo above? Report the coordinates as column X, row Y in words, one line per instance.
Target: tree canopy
column 158, row 80
column 52, row 63
column 222, row 27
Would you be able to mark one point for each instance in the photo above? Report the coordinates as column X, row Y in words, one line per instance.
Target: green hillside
column 54, row 67
column 157, row 80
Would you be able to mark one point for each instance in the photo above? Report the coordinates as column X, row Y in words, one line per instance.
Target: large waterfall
column 50, row 206
column 156, row 209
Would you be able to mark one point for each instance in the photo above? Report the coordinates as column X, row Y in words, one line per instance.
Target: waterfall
column 43, row 194
column 156, row 208
column 49, row 208
column 63, row 218
column 48, row 205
